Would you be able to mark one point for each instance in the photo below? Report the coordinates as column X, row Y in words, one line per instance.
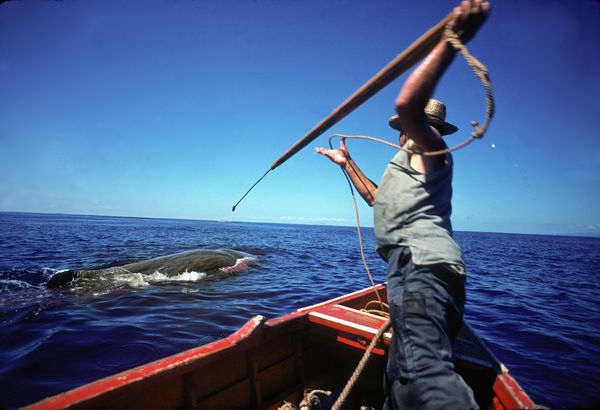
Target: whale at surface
column 204, row 261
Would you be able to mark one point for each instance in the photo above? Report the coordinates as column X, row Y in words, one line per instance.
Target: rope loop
column 479, row 130
column 480, row 71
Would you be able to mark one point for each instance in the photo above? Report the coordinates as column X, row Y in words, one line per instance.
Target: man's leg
column 426, row 305
column 400, row 391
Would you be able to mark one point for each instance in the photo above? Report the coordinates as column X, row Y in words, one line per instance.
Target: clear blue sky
column 174, row 108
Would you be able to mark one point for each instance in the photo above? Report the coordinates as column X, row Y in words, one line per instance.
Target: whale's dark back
column 206, row 261
column 61, row 278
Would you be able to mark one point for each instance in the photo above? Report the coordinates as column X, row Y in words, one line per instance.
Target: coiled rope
column 480, row 71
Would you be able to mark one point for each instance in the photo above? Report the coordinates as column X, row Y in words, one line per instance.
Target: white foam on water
column 134, row 280
column 118, row 281
column 187, row 276
column 14, row 284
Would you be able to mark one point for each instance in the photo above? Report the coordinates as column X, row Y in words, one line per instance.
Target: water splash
column 186, row 276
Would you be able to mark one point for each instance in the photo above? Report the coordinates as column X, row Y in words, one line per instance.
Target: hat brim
column 444, row 127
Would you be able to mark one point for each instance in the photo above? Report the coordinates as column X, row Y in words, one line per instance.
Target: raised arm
column 365, row 187
column 420, row 85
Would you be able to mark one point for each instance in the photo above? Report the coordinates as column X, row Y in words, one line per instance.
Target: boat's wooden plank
column 234, row 397
column 274, row 350
column 360, row 344
column 190, row 392
column 255, row 379
column 348, row 320
column 272, row 381
column 211, row 378
column 299, row 359
column 272, row 368
column 358, row 299
column 279, row 377
column 510, row 393
column 287, row 323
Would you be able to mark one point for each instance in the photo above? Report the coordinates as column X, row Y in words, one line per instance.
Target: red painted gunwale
column 179, row 363
column 354, row 328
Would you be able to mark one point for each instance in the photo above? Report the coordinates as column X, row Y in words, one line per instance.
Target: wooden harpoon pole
column 404, row 61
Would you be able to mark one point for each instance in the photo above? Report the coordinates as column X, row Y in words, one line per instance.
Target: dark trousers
column 426, row 307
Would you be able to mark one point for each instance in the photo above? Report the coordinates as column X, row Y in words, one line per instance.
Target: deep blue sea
column 533, row 299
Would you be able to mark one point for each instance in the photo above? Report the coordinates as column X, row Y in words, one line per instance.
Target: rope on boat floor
column 311, row 400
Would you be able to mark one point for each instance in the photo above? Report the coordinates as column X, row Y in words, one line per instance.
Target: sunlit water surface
column 533, row 299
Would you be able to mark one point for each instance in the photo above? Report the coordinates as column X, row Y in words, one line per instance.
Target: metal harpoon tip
column 247, row 192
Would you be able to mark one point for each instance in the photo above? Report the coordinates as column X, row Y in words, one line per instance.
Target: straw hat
column 436, row 114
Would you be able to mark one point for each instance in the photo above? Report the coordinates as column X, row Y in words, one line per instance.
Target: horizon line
column 572, row 234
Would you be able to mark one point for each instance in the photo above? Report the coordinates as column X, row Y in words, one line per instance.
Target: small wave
column 7, row 285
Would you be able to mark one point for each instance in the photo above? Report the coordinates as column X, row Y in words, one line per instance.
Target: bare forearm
column 420, row 85
column 365, row 187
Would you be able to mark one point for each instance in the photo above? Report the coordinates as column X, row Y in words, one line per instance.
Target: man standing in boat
column 426, row 275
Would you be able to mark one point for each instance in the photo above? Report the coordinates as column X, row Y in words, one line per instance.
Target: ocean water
column 532, row 298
